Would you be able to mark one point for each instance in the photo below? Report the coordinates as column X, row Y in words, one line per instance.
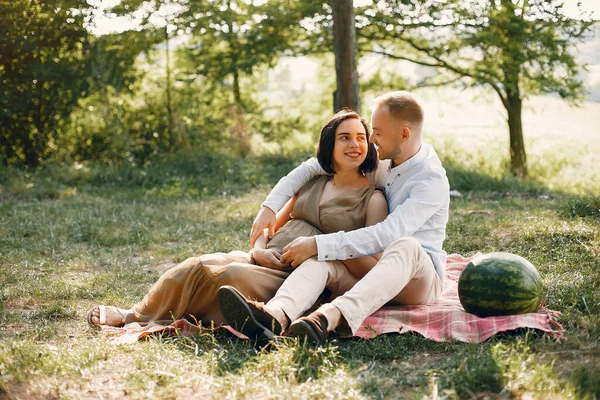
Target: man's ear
column 405, row 134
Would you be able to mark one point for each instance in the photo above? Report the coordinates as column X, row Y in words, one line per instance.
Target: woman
column 344, row 201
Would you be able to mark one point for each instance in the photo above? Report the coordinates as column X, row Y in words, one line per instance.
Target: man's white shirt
column 418, row 195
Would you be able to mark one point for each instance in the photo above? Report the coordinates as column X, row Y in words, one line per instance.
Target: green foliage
column 133, row 124
column 43, row 68
column 584, row 207
column 525, row 48
column 234, row 37
column 518, row 49
column 113, row 59
column 210, row 102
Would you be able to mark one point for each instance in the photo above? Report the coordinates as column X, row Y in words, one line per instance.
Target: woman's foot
column 107, row 315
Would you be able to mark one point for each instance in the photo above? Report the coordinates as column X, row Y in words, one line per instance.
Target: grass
column 75, row 236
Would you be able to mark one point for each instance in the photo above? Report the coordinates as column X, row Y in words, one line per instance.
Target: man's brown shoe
column 313, row 327
column 246, row 316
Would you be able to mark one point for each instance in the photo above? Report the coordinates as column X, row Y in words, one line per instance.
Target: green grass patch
column 74, row 236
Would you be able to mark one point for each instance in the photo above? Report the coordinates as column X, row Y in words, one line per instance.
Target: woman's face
column 351, row 146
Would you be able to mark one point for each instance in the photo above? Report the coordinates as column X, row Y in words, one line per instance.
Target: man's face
column 386, row 134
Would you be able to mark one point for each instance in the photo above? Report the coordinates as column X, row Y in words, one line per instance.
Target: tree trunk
column 171, row 138
column 34, row 143
column 31, row 156
column 237, row 95
column 518, row 159
column 347, row 93
column 237, row 113
column 6, row 150
column 237, row 110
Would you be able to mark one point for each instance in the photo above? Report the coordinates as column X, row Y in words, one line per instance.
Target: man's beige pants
column 404, row 275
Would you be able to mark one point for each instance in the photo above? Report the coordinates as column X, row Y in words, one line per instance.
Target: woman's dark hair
column 327, row 142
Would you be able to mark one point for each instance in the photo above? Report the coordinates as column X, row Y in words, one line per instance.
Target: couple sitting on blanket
column 332, row 210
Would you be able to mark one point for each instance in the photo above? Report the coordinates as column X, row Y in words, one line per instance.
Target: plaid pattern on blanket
column 446, row 320
column 443, row 321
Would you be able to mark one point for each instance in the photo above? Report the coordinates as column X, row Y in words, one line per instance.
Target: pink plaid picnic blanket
column 443, row 321
column 446, row 320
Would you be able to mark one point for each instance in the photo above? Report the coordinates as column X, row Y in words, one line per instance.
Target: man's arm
column 290, row 184
column 425, row 200
column 285, row 189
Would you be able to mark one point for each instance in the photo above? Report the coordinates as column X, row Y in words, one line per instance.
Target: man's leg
column 297, row 294
column 404, row 275
column 303, row 287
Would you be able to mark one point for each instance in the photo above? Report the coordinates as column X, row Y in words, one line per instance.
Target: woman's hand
column 268, row 258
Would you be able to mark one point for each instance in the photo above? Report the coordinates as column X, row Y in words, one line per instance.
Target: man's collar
column 417, row 158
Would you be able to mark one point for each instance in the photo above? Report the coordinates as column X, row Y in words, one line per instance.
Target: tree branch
column 424, row 82
column 396, row 57
column 478, row 75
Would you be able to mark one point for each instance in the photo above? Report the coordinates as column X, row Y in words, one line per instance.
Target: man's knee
column 327, row 270
column 406, row 243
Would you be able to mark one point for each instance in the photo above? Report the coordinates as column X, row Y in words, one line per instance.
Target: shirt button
column 351, row 256
column 388, row 184
column 326, row 256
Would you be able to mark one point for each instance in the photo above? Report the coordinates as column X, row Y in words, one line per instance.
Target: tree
column 515, row 47
column 229, row 40
column 160, row 23
column 43, row 50
column 347, row 92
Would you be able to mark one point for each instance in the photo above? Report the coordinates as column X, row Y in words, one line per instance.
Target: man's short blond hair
column 402, row 105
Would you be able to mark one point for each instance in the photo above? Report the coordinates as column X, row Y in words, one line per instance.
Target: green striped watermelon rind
column 496, row 284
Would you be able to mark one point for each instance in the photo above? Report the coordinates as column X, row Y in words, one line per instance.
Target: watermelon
column 500, row 284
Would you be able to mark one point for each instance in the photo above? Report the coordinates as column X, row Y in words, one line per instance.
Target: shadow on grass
column 231, row 355
column 506, row 186
column 205, row 175
column 585, row 379
column 467, row 180
column 459, row 370
column 227, row 353
column 197, row 175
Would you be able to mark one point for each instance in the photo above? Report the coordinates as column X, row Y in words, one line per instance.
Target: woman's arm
column 377, row 211
column 284, row 215
column 270, row 258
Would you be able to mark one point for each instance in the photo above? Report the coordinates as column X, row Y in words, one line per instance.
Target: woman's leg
column 190, row 289
column 253, row 281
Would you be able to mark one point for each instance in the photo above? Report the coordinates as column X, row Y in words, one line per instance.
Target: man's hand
column 300, row 250
column 264, row 219
column 268, row 258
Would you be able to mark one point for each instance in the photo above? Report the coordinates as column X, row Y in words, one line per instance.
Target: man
column 412, row 266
